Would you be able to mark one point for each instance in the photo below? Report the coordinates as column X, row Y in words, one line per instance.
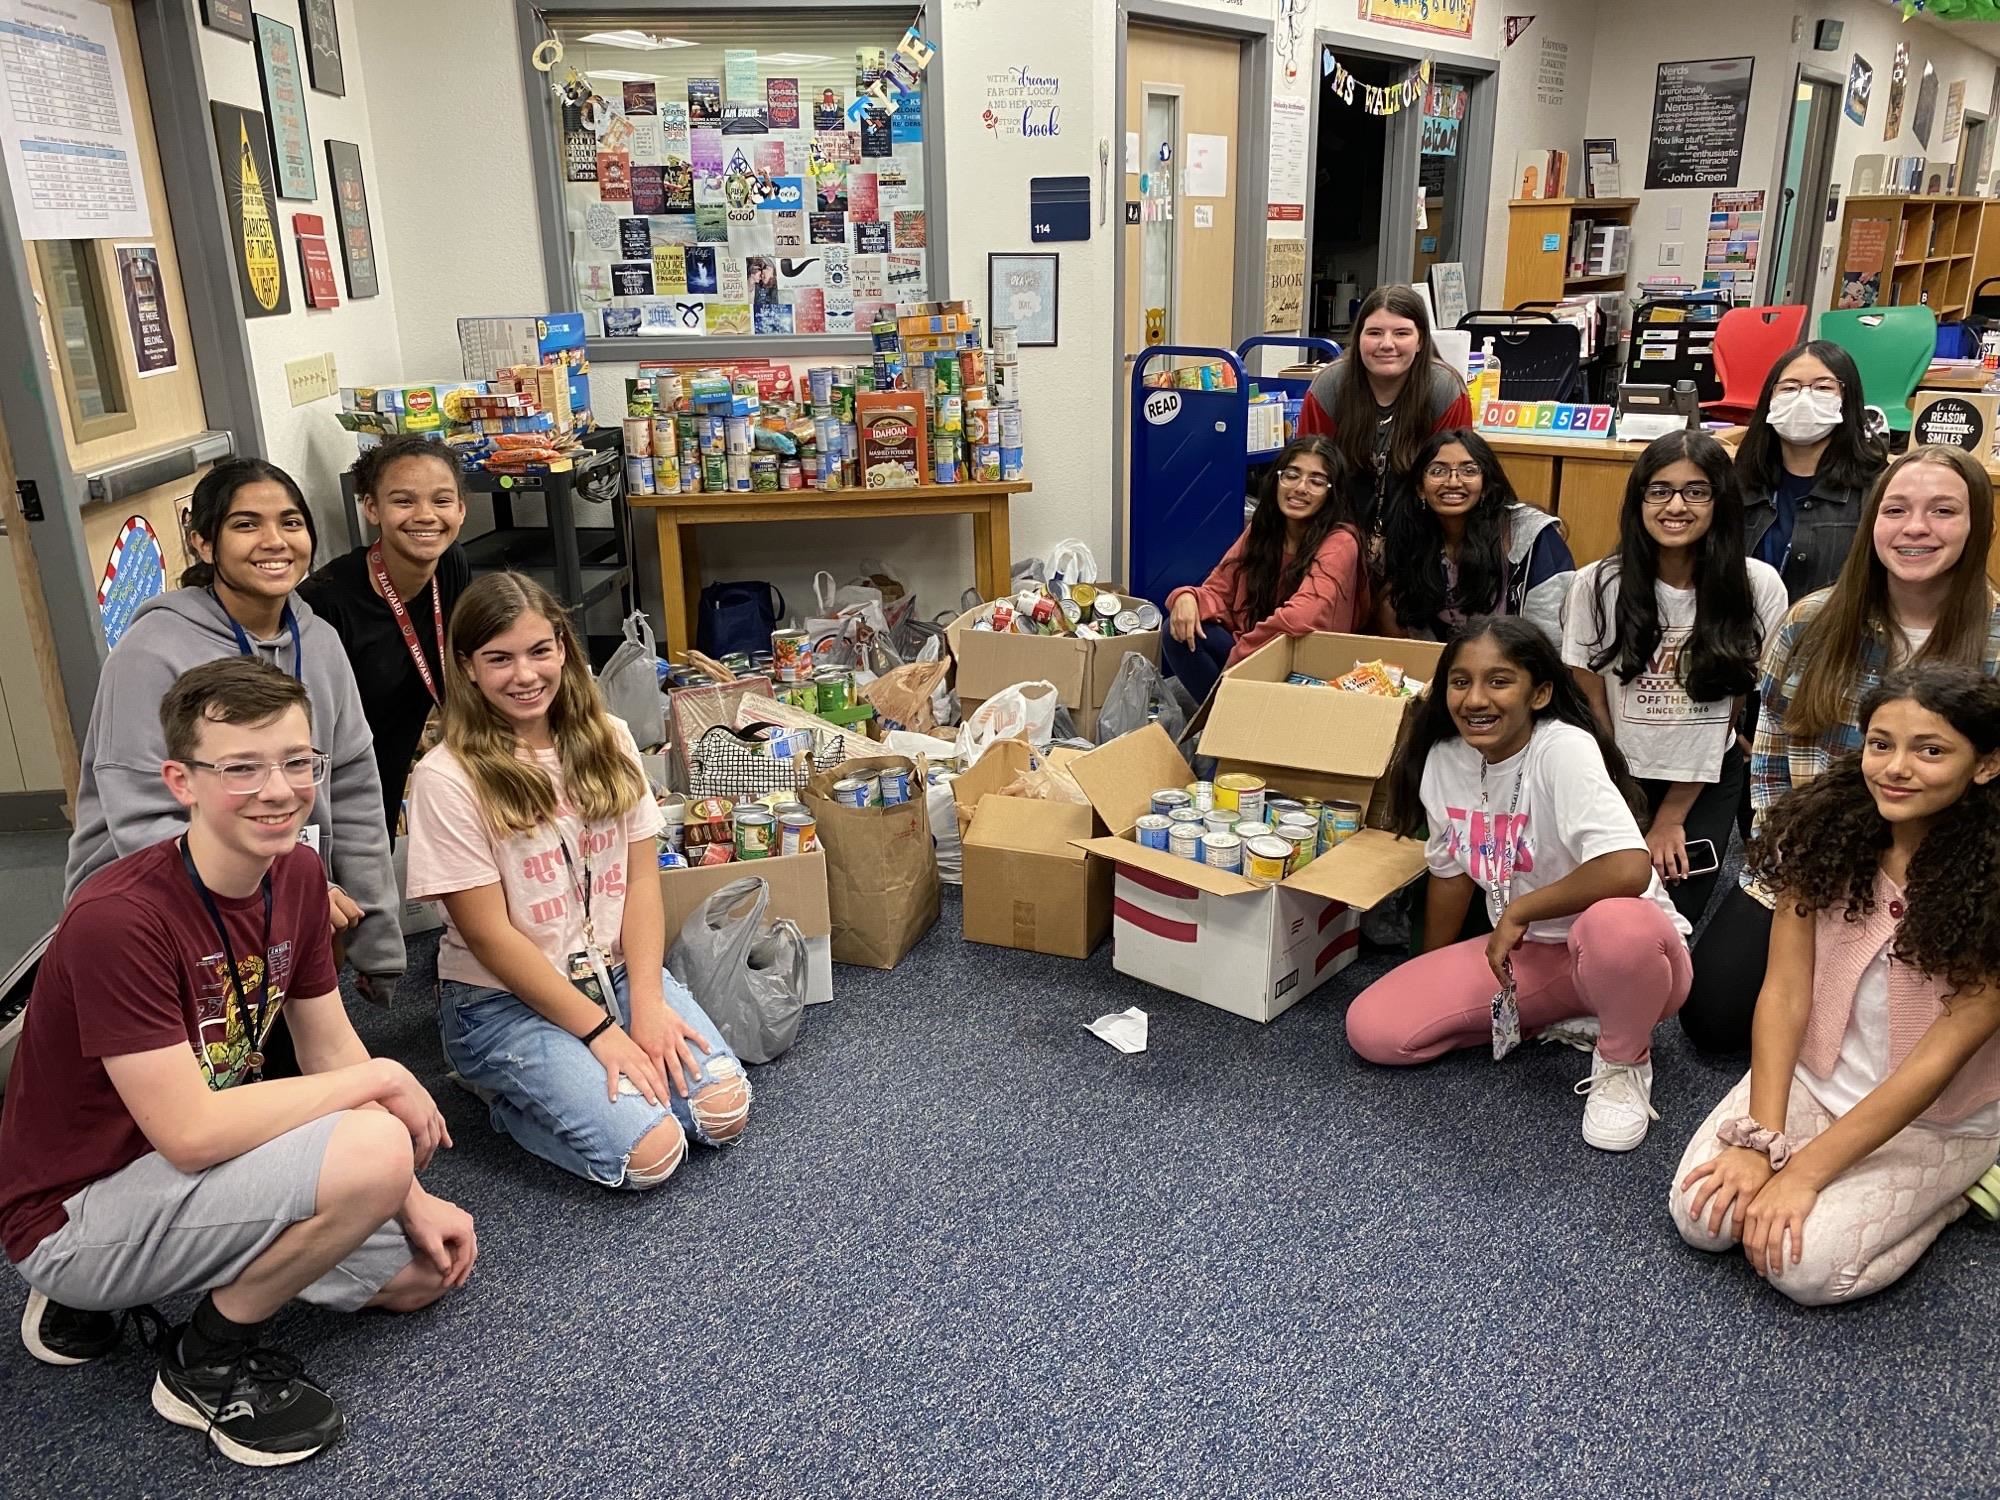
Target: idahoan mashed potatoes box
column 895, row 442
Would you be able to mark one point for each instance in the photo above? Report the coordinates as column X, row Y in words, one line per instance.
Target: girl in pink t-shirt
column 534, row 824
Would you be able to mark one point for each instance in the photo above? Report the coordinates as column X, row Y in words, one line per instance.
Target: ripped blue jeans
column 546, row 1089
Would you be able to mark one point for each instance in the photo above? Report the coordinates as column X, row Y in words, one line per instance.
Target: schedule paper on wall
column 66, row 123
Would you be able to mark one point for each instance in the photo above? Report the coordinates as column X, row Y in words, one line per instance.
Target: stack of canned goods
column 1234, row 823
column 720, row 830
column 1079, row 609
column 888, row 787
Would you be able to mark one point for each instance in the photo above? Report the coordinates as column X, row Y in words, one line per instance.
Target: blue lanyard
column 243, row 647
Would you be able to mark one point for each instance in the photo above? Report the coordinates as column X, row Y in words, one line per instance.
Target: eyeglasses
column 1445, row 471
column 1693, row 495
column 246, row 778
column 1818, row 388
column 1310, row 481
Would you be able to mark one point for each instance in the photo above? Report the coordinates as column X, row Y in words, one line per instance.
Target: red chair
column 1748, row 342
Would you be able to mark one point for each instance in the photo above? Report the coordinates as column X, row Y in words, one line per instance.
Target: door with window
column 120, row 372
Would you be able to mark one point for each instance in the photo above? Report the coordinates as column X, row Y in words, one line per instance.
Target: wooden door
column 112, row 406
column 1182, row 268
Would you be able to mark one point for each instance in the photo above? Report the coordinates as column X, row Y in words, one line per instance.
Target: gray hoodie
column 123, row 806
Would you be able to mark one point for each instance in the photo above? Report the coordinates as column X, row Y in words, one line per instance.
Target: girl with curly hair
column 1528, row 808
column 1873, row 1096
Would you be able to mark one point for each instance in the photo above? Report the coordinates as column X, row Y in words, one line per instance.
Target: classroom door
column 120, row 373
column 1182, row 158
column 1803, row 191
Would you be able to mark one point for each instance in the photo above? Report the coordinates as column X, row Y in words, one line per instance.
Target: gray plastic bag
column 747, row 973
column 630, row 683
column 1138, row 696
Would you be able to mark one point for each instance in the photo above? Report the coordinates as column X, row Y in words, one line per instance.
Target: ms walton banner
column 252, row 211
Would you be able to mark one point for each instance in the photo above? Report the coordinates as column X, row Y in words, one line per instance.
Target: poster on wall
column 329, row 75
column 1899, row 77
column 1291, row 155
column 315, row 265
column 285, row 104
column 146, row 309
column 1022, row 290
column 1700, row 111
column 1954, row 114
column 243, row 150
column 1860, row 84
column 1446, row 17
column 230, row 17
column 135, row 572
column 350, row 206
column 67, row 136
column 1284, row 286
column 1735, row 236
column 1861, row 271
column 1926, row 111
column 1023, row 104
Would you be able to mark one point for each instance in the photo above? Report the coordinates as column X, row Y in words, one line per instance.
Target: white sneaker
column 1620, row 1107
column 1580, row 1032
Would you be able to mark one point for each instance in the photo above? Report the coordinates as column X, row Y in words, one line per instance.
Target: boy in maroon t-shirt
column 140, row 1154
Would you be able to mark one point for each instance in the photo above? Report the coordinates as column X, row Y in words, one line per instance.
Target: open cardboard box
column 1028, row 883
column 798, row 891
column 1257, row 950
column 1080, row 669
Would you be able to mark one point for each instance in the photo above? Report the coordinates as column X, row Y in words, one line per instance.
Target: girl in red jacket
column 1295, row 569
column 1873, row 1097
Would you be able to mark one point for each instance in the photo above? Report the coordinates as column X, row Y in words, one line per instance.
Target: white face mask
column 1805, row 417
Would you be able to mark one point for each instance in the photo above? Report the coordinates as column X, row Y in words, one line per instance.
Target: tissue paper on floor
column 1125, row 1030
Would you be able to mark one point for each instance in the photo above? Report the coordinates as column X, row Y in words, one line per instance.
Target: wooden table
column 675, row 516
column 1954, row 378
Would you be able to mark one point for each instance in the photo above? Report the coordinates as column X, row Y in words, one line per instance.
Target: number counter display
column 1555, row 418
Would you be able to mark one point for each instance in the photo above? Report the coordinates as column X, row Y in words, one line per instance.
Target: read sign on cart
column 1558, row 418
column 1162, row 407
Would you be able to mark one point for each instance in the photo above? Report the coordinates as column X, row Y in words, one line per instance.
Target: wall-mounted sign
column 1447, row 17
column 350, row 206
column 244, row 152
column 1700, row 111
column 285, row 104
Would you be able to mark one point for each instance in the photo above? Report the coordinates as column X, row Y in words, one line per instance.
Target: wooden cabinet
column 1538, row 246
column 1899, row 250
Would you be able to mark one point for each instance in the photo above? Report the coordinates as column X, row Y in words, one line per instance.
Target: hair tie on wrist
column 598, row 1030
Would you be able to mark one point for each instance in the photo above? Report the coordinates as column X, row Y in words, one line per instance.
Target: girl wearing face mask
column 1804, row 464
column 252, row 536
column 390, row 599
column 1529, row 809
column 1664, row 638
column 1465, row 546
column 1873, row 1096
column 1381, row 399
column 1295, row 569
column 1916, row 592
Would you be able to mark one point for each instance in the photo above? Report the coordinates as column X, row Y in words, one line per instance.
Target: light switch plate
column 1670, row 253
column 309, row 379
column 1673, row 218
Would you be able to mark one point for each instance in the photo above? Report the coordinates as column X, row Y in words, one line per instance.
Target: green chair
column 1893, row 347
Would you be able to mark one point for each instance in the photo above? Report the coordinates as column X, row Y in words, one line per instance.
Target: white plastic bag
column 747, row 973
column 1071, row 560
column 1025, row 711
column 942, row 808
column 630, row 683
column 852, row 628
column 1138, row 696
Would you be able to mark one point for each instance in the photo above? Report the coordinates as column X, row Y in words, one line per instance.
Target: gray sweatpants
column 150, row 1231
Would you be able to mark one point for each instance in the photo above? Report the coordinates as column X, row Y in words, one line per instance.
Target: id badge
column 588, row 978
column 1506, row 1017
column 309, row 836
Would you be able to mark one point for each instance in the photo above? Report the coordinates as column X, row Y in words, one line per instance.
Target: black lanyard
column 250, row 1018
column 583, row 885
column 243, row 647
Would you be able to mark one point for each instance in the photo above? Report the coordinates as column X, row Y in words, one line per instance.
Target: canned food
column 1012, row 464
column 1188, row 817
column 895, row 787
column 703, row 809
column 1167, row 798
column 1224, row 851
column 1072, row 612
column 985, row 464
column 1127, row 622
column 639, row 436
column 1151, row 830
column 802, row 694
column 1219, row 822
column 1303, row 840
column 666, row 438
column 1343, row 821
column 1006, row 343
column 950, row 414
column 737, row 467
column 666, row 474
column 1277, row 809
column 639, row 476
column 1149, row 615
column 791, row 648
column 714, row 473
column 855, row 791
column 755, row 828
column 836, row 690
column 776, row 803
column 1201, row 794
column 1242, row 791
column 639, row 397
column 1184, row 841
column 764, row 473
column 791, row 474
column 1245, row 829
column 1105, row 607
column 798, row 832
column 673, row 815
column 736, row 435
column 819, row 381
column 1265, row 859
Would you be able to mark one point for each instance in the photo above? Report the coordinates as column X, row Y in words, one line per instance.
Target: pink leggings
column 1625, row 963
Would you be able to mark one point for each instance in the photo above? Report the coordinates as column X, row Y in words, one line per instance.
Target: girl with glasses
column 1664, row 637
column 251, row 533
column 1913, row 591
column 1295, row 569
column 1461, row 544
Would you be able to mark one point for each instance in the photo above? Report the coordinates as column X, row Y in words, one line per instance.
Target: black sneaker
column 58, row 1335
column 256, row 1405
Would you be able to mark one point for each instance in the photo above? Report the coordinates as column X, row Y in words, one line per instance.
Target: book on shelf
column 1600, row 168
column 1579, row 247
column 1867, row 178
column 1540, row 172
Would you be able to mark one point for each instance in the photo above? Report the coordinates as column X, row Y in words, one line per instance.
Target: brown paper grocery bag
column 881, row 873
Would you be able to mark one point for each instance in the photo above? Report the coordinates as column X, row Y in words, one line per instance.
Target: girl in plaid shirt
column 1916, row 592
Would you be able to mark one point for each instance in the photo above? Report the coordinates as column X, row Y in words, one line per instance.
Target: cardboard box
column 1080, row 669
column 1028, row 882
column 1314, row 741
column 1257, row 950
column 798, row 891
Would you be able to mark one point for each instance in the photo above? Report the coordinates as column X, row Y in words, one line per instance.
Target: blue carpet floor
column 968, row 1249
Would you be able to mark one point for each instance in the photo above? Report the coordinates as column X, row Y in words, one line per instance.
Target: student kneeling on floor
column 533, row 821
column 1873, row 1097
column 140, row 1154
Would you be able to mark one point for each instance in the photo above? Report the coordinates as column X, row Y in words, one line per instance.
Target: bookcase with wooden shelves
column 1538, row 273
column 1902, row 249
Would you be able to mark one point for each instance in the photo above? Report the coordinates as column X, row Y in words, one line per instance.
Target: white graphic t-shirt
column 1566, row 813
column 1665, row 734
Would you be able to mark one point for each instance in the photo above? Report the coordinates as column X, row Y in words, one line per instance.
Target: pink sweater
column 1325, row 598
column 1841, row 951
